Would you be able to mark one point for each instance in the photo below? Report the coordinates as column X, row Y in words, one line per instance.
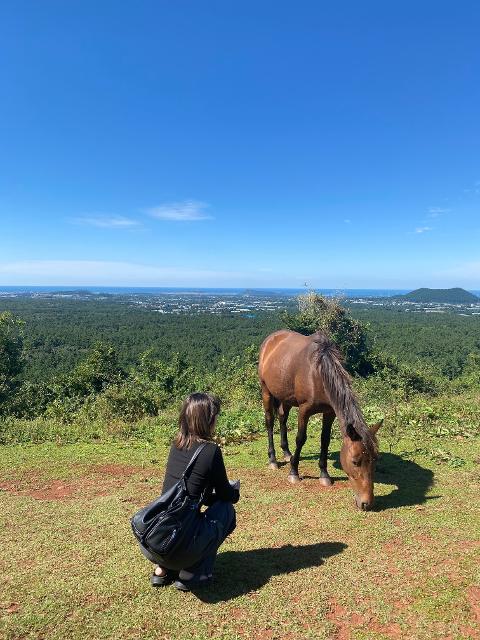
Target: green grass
column 303, row 563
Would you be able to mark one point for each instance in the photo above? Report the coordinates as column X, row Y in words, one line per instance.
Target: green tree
column 11, row 355
column 319, row 313
column 99, row 370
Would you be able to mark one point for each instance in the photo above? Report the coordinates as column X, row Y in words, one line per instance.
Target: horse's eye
column 357, row 461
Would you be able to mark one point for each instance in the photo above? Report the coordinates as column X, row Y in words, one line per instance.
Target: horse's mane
column 338, row 387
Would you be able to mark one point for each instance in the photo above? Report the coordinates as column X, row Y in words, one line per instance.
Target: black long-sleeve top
column 208, row 473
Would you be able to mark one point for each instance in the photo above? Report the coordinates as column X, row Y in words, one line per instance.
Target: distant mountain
column 449, row 296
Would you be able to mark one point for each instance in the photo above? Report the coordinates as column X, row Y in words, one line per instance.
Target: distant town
column 251, row 302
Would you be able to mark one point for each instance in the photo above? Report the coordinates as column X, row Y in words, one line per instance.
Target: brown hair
column 197, row 419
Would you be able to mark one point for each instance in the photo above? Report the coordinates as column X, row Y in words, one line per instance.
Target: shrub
column 319, row 313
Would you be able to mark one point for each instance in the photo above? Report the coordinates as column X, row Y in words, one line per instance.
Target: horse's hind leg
column 283, row 412
column 327, row 421
column 269, row 407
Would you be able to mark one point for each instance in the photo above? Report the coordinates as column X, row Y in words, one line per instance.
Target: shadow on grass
column 412, row 481
column 239, row 572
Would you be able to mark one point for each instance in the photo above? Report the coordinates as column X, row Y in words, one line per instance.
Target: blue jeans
column 222, row 514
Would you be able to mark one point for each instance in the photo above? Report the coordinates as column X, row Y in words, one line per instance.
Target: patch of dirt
column 403, row 603
column 277, row 481
column 473, row 598
column 391, row 630
column 424, row 539
column 99, row 480
column 309, row 484
column 393, row 545
column 468, row 544
column 57, row 490
column 9, row 607
column 121, row 470
column 346, row 622
column 470, row 632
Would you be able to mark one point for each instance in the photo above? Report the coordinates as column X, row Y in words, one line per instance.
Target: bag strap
column 186, row 473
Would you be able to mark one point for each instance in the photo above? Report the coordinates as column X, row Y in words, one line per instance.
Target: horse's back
column 277, row 344
column 284, row 363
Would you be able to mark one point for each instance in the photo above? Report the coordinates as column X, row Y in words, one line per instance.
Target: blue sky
column 264, row 143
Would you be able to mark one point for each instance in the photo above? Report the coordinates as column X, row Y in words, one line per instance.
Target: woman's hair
column 197, row 419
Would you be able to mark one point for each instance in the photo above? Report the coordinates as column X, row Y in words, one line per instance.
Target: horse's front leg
column 283, row 412
column 303, row 416
column 327, row 421
column 268, row 406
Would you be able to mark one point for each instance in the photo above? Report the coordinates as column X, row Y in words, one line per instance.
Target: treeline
column 116, row 380
column 444, row 341
column 59, row 333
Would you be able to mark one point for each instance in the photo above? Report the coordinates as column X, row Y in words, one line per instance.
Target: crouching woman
column 206, row 477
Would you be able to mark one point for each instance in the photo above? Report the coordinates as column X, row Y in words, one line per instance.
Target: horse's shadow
column 412, row 481
column 240, row 572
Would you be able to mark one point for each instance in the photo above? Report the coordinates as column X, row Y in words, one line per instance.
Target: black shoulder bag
column 169, row 523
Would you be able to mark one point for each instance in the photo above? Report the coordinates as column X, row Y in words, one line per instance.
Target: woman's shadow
column 239, row 572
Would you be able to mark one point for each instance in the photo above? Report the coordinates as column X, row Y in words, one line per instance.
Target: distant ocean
column 349, row 293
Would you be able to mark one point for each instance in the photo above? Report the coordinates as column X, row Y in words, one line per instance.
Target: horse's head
column 358, row 462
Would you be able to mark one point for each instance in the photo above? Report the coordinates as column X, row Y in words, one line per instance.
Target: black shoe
column 193, row 583
column 163, row 581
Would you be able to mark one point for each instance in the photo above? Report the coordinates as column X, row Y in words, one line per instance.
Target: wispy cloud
column 106, row 222
column 467, row 273
column 100, row 272
column 435, row 212
column 186, row 211
column 347, row 221
column 423, row 229
column 475, row 189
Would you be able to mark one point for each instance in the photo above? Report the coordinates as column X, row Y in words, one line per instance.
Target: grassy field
column 303, row 563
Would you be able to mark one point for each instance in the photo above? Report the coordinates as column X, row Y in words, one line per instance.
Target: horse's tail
column 338, row 386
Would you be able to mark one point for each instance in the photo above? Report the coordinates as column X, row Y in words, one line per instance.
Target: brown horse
column 307, row 372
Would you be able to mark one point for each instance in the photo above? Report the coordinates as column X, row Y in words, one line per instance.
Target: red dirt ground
column 100, row 481
column 347, row 621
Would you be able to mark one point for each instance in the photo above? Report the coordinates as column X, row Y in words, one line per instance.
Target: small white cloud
column 347, row 221
column 475, row 189
column 107, row 222
column 434, row 212
column 186, row 211
column 106, row 273
column 423, row 229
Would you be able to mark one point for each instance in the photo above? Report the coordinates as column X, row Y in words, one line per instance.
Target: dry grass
column 303, row 563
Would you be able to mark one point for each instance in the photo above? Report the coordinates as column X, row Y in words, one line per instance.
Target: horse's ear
column 375, row 427
column 351, row 433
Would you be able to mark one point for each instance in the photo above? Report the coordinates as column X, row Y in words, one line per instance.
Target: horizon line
column 259, row 288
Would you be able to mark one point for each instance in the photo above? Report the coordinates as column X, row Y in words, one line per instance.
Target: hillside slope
column 455, row 295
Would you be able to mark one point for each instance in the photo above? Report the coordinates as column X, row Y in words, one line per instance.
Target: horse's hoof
column 273, row 465
column 294, row 479
column 326, row 481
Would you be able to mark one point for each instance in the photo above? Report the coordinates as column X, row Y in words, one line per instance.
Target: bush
column 239, row 425
column 319, row 313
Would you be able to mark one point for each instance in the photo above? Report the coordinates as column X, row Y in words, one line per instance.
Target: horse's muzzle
column 363, row 506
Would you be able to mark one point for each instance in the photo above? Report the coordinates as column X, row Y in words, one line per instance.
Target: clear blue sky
column 218, row 143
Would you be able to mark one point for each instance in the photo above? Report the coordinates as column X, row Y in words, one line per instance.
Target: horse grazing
column 307, row 372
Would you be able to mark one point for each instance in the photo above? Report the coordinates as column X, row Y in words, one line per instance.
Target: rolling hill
column 455, row 295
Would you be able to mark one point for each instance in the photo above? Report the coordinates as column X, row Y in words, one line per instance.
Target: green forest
column 86, row 369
